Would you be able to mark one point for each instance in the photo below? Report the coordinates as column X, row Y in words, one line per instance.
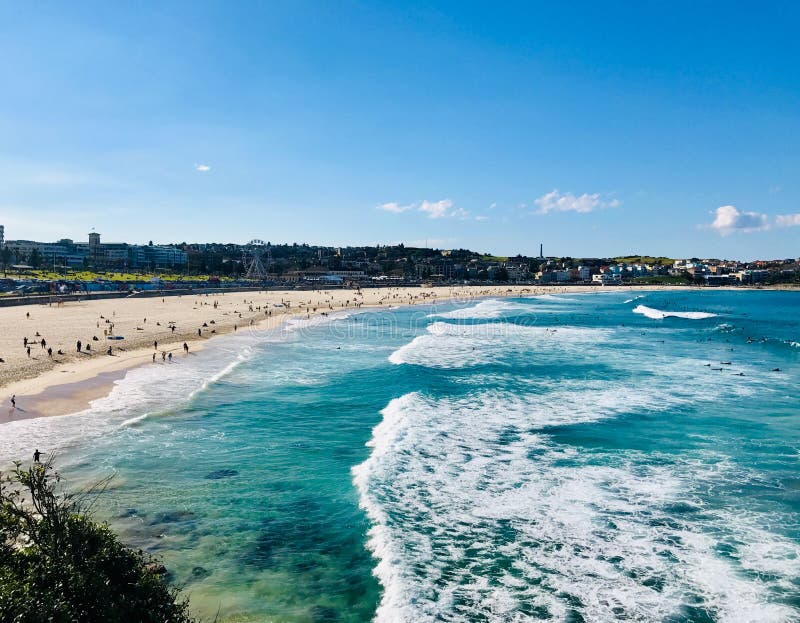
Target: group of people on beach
column 167, row 356
column 321, row 301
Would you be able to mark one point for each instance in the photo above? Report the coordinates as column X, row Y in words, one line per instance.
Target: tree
column 57, row 564
column 501, row 274
column 5, row 256
column 35, row 258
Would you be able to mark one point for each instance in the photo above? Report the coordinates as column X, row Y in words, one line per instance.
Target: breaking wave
column 479, row 515
column 657, row 314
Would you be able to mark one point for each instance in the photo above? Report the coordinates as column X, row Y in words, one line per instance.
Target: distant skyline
column 599, row 129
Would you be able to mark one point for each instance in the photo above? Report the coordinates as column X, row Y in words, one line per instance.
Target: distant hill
column 645, row 259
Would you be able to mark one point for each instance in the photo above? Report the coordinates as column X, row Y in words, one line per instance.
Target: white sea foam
column 477, row 516
column 657, row 314
column 298, row 323
column 134, row 420
column 635, row 298
column 447, row 345
column 142, row 392
column 490, row 308
column 148, row 390
column 553, row 298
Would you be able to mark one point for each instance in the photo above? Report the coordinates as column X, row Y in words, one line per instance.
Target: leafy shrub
column 58, row 565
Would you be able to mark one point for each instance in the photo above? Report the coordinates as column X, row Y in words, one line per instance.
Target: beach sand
column 68, row 382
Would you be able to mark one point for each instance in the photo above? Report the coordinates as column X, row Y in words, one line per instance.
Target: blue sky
column 597, row 128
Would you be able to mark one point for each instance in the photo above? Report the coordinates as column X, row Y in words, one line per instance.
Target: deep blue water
column 546, row 458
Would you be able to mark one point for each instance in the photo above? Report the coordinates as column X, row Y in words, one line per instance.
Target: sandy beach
column 145, row 331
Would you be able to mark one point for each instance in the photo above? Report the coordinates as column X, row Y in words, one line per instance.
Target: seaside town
column 66, row 266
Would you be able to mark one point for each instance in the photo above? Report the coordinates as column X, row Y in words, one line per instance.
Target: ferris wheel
column 251, row 259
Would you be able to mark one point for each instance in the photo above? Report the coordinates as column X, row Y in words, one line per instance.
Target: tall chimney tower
column 541, row 251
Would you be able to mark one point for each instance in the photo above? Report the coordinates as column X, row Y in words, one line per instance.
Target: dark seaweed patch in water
column 199, row 573
column 172, row 517
column 221, row 473
column 324, row 614
column 299, row 526
column 283, row 485
column 303, row 538
column 344, row 452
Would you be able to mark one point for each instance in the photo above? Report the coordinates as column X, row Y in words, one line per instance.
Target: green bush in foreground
column 58, row 565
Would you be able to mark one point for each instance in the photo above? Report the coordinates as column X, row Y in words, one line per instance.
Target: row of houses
column 726, row 272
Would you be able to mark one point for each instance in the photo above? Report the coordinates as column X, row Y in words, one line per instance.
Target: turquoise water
column 547, row 458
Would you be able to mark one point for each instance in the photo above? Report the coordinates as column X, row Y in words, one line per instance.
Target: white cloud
column 788, row 220
column 202, row 168
column 437, row 209
column 395, row 207
column 480, row 217
column 730, row 219
column 554, row 201
column 433, row 209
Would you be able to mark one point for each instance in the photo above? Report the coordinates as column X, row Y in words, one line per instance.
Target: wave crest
column 657, row 314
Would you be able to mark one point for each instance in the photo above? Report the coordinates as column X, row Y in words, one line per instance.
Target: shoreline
column 70, row 387
column 51, row 394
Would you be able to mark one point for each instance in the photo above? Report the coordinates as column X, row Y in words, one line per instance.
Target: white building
column 607, row 279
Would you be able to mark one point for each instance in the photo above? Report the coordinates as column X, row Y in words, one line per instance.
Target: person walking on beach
column 155, row 345
column 37, row 455
column 43, row 343
column 24, row 341
column 154, row 357
column 185, row 348
column 78, row 345
column 29, row 352
column 14, row 401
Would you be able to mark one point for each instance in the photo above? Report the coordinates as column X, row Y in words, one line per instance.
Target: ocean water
column 597, row 457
